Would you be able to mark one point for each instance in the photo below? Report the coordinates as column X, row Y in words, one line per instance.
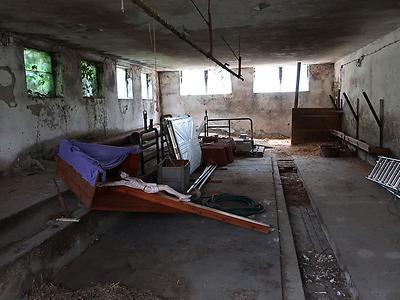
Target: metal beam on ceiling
column 152, row 13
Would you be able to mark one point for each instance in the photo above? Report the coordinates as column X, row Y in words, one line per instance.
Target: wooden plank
column 109, row 198
column 197, row 209
column 83, row 189
column 73, row 180
column 312, row 111
column 357, row 143
column 313, row 124
column 360, row 144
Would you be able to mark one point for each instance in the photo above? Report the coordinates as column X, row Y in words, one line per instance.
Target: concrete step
column 32, row 219
column 32, row 247
column 44, row 253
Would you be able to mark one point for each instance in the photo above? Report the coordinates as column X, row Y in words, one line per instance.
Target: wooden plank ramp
column 196, row 209
column 122, row 198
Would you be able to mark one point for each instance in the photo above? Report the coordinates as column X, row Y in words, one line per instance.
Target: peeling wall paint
column 39, row 123
column 7, row 84
column 374, row 69
column 271, row 112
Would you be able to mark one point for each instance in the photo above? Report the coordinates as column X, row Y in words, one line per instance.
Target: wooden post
column 296, row 97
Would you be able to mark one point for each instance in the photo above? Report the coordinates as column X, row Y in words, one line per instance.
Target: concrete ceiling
column 285, row 30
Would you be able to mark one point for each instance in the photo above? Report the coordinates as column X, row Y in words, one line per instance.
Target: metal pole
column 371, row 108
column 210, row 31
column 296, row 97
column 149, row 11
column 252, row 132
column 199, row 179
column 145, row 119
column 350, row 106
column 333, row 100
column 204, row 178
column 199, row 11
column 358, row 119
column 240, row 60
column 208, row 176
column 381, row 117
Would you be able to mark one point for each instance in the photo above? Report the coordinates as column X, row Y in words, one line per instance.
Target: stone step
column 32, row 219
column 44, row 253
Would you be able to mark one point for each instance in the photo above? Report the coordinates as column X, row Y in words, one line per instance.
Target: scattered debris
column 320, row 271
column 100, row 291
column 73, row 220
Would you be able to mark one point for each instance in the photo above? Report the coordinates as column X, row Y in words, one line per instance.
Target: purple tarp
column 91, row 160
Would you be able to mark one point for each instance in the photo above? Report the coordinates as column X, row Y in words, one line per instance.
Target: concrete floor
column 189, row 257
column 354, row 212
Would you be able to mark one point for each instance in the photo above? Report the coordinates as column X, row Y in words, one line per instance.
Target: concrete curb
column 292, row 284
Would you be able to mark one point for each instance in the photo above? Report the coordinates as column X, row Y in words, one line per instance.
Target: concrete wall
column 34, row 124
column 271, row 112
column 374, row 69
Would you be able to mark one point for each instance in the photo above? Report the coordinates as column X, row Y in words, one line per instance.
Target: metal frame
column 229, row 120
column 147, row 141
column 387, row 174
column 164, row 137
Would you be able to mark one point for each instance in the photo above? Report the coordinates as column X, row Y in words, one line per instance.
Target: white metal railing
column 387, row 174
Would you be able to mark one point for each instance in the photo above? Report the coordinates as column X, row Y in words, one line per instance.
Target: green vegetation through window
column 89, row 74
column 39, row 73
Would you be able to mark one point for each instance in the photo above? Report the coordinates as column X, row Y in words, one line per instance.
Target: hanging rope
column 153, row 43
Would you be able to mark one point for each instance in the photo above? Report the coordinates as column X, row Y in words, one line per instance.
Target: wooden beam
column 80, row 187
column 361, row 145
column 109, row 198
